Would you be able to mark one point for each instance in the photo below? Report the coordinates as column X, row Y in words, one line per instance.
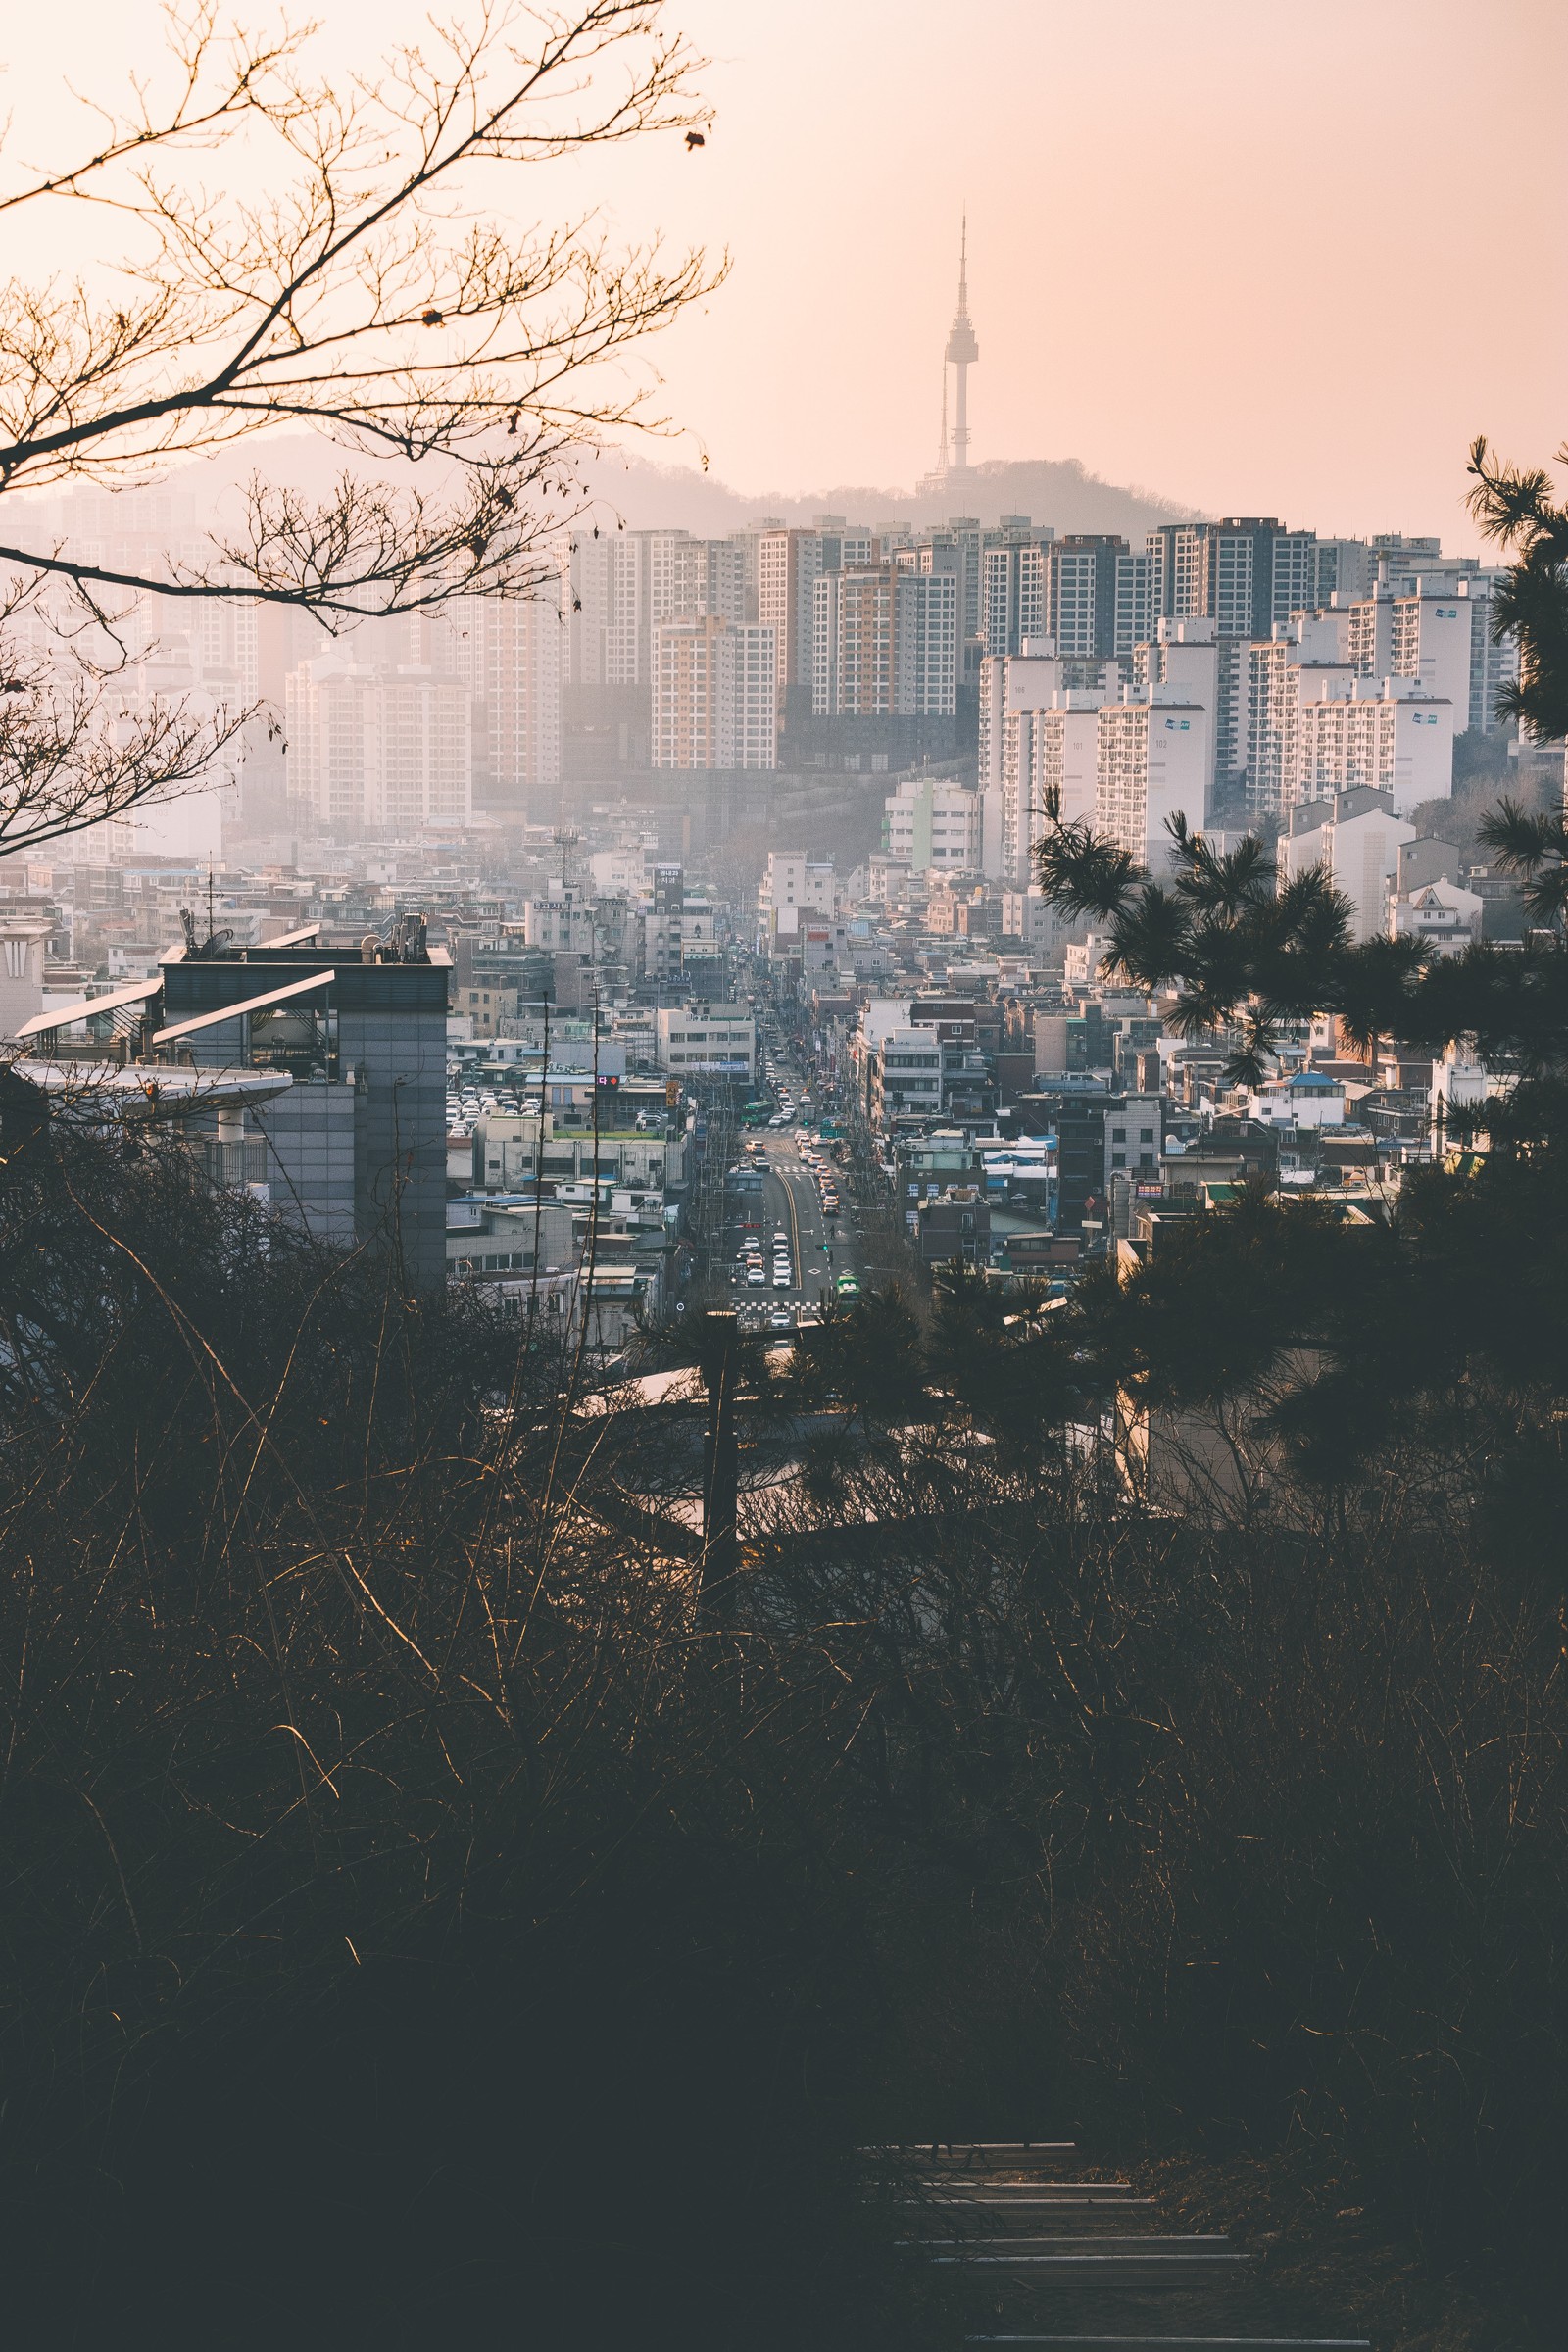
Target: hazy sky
column 1261, row 257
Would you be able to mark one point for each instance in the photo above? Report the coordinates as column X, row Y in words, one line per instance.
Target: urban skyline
column 1103, row 290
column 782, row 1277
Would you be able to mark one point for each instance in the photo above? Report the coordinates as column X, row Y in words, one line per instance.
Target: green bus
column 847, row 1287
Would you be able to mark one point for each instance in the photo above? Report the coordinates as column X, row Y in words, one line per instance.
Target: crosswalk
column 1039, row 2251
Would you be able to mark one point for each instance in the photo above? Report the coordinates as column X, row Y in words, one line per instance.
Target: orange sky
column 1263, row 258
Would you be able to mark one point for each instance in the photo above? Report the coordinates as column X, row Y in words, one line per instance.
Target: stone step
column 1020, row 2240
column 1040, row 2254
column 971, row 2224
column 1128, row 2258
column 1183, row 2298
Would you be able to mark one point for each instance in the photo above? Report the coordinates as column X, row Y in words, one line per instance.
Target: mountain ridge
column 1060, row 491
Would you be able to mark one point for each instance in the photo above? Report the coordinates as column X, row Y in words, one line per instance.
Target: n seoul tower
column 963, row 351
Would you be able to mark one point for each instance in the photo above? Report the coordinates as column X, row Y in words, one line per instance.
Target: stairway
column 1036, row 2253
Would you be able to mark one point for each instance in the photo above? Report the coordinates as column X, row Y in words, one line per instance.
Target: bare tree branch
column 379, row 292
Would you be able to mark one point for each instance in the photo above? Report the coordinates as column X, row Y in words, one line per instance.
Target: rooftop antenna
column 567, row 838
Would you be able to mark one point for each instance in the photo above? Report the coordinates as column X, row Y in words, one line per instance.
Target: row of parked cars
column 467, row 1105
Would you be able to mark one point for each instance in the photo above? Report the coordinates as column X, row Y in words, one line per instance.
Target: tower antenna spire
column 961, row 352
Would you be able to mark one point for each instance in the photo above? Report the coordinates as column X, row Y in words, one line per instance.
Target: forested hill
column 1053, row 490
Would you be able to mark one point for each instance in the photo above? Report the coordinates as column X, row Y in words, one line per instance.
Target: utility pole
column 716, row 1594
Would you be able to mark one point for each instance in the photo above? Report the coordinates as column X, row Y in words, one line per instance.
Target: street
column 793, row 1205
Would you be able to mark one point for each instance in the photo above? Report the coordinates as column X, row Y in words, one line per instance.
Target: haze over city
column 1259, row 258
column 784, row 1203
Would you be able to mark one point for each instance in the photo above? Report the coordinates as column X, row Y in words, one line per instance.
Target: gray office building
column 356, row 1145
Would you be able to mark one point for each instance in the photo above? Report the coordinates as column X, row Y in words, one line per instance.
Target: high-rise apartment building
column 789, row 564
column 1091, row 593
column 509, row 652
column 383, row 751
column 1383, row 735
column 1053, row 761
column 714, row 695
column 1022, row 748
column 1012, row 593
column 1244, row 573
column 1355, row 836
column 885, row 644
column 1151, row 761
column 626, row 583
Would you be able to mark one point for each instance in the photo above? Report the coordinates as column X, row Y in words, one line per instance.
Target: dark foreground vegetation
column 417, row 1929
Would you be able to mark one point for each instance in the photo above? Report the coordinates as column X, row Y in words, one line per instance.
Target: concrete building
column 905, row 1076
column 1014, row 689
column 885, row 644
column 933, row 823
column 706, row 1041
column 560, row 921
column 1152, row 761
column 789, row 564
column 1098, row 596
column 1441, row 915
column 386, row 751
column 509, row 651
column 714, row 695
column 1053, row 761
column 25, row 936
column 1385, row 734
column 792, row 879
column 624, row 584
column 954, row 1228
column 1013, row 592
column 1355, row 836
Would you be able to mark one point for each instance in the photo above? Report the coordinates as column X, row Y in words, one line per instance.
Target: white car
column 755, row 1277
column 781, row 1279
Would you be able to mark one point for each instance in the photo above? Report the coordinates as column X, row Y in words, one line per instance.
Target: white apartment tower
column 789, row 564
column 1152, row 761
column 383, row 750
column 509, row 651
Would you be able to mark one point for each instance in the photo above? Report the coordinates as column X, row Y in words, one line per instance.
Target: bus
column 847, row 1287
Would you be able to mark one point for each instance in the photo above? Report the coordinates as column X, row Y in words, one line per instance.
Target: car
column 753, row 1277
column 781, row 1281
column 781, row 1319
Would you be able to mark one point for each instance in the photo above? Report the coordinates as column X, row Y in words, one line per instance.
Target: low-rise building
column 706, row 1042
column 1441, row 915
column 954, row 1228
